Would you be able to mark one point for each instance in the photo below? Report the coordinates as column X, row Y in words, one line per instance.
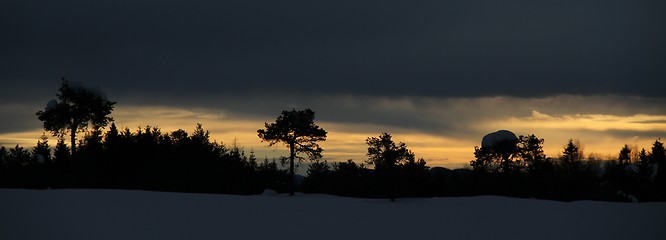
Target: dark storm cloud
column 18, row 118
column 192, row 49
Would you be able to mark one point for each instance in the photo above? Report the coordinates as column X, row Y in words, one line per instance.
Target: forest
column 179, row 161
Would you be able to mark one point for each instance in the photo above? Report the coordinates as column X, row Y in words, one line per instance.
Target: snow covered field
column 120, row 214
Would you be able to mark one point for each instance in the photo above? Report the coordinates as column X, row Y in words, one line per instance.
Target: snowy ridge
column 124, row 214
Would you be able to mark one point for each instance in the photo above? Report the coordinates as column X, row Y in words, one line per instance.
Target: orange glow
column 347, row 141
column 593, row 130
column 596, row 122
column 24, row 139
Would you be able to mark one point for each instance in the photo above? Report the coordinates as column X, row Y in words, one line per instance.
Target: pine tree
column 385, row 154
column 297, row 130
column 319, row 169
column 571, row 157
column 530, row 149
column 644, row 160
column 388, row 157
column 252, row 161
column 625, row 155
column 92, row 145
column 658, row 157
column 42, row 152
column 77, row 108
column 61, row 155
column 111, row 137
column 19, row 157
column 658, row 154
column 4, row 155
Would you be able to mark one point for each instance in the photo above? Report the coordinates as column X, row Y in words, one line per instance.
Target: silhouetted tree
column 625, row 155
column 269, row 176
column 92, row 144
column 387, row 157
column 111, row 148
column 201, row 137
column 4, row 157
column 252, row 161
column 496, row 158
column 318, row 177
column 658, row 159
column 297, row 130
column 415, row 165
column 19, row 156
column 571, row 158
column 643, row 161
column 530, row 149
column 658, row 154
column 17, row 160
column 414, row 177
column 42, row 152
column 38, row 170
column 385, row 154
column 319, row 168
column 350, row 179
column 61, row 155
column 111, row 136
column 484, row 160
column 4, row 167
column 236, row 173
column 77, row 108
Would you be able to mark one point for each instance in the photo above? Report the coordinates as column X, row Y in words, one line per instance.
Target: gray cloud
column 18, row 118
column 453, row 117
column 650, row 135
column 382, row 48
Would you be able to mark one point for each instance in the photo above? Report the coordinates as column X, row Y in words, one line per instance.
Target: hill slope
column 120, row 214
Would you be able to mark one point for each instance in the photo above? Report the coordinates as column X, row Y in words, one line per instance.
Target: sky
column 437, row 75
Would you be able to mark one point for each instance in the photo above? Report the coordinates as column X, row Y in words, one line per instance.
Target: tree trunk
column 73, row 135
column 292, row 155
column 72, row 164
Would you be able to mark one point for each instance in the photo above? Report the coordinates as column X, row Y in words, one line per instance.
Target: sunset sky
column 437, row 75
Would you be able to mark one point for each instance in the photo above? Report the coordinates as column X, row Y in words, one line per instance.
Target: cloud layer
column 378, row 48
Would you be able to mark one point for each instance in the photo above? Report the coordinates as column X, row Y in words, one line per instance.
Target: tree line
column 520, row 168
column 150, row 159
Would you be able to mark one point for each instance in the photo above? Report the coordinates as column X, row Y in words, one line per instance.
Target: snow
column 269, row 192
column 40, row 158
column 491, row 139
column 124, row 214
column 83, row 87
column 51, row 104
column 632, row 169
column 77, row 86
column 629, row 197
